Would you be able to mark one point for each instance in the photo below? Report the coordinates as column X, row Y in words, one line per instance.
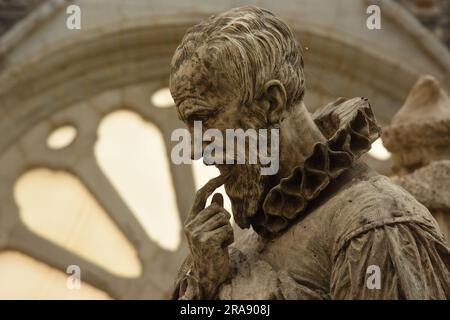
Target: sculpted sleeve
column 186, row 285
column 250, row 278
column 253, row 278
column 411, row 262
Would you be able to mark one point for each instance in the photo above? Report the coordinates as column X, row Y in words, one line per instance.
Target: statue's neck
column 298, row 135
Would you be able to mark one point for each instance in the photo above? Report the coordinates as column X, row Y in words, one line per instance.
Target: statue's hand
column 209, row 233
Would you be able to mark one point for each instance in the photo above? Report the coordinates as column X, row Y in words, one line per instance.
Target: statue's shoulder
column 373, row 203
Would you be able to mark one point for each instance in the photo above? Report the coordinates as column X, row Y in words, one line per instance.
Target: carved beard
column 244, row 187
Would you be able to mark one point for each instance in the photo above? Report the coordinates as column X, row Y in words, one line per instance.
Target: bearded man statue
column 325, row 226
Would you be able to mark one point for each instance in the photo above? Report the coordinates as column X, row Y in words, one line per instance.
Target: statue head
column 240, row 69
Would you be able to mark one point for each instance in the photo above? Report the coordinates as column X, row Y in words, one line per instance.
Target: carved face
column 203, row 95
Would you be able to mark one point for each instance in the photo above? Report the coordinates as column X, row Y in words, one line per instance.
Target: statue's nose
column 196, row 149
column 212, row 150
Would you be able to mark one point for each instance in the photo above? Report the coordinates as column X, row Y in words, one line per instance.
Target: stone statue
column 325, row 226
column 419, row 139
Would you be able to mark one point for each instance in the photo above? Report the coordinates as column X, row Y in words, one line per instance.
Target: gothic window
column 93, row 186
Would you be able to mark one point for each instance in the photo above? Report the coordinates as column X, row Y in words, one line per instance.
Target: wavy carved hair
column 250, row 46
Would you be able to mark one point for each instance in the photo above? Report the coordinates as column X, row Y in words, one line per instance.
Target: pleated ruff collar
column 350, row 128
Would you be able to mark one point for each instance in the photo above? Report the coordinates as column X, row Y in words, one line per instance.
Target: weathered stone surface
column 420, row 132
column 324, row 220
column 430, row 185
column 419, row 139
column 125, row 42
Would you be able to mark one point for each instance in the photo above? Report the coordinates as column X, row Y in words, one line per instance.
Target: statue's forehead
column 190, row 78
column 198, row 81
column 191, row 90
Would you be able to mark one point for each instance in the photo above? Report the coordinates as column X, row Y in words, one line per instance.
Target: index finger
column 202, row 195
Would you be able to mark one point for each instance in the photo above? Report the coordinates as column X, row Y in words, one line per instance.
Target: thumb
column 218, row 199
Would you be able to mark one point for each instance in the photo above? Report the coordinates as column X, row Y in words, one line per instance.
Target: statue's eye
column 201, row 114
column 190, row 119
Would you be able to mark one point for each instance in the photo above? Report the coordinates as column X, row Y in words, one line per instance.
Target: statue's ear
column 275, row 99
